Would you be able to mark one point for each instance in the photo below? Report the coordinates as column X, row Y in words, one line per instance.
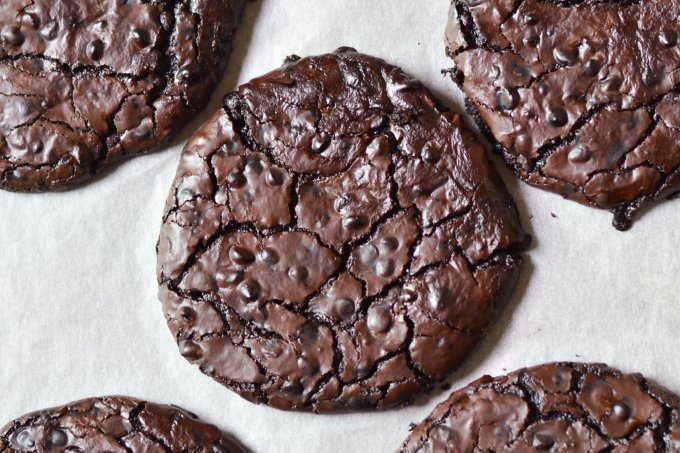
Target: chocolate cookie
column 113, row 424
column 581, row 97
column 334, row 238
column 559, row 407
column 84, row 84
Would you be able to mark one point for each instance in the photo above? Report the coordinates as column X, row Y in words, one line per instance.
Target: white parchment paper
column 79, row 315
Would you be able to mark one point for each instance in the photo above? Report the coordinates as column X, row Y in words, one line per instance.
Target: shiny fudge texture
column 114, row 424
column 334, row 238
column 86, row 83
column 558, row 407
column 581, row 97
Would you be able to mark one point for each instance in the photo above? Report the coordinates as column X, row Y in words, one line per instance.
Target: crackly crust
column 580, row 97
column 114, row 424
column 84, row 84
column 334, row 238
column 557, row 407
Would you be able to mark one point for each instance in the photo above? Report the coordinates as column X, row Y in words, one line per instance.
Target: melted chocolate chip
column 95, row 49
column 557, row 117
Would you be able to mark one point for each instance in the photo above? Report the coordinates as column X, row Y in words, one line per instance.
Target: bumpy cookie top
column 582, row 97
column 85, row 83
column 556, row 407
column 113, row 424
column 334, row 238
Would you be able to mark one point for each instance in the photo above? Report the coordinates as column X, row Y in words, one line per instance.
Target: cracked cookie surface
column 85, row 84
column 114, row 424
column 557, row 407
column 581, row 97
column 334, row 238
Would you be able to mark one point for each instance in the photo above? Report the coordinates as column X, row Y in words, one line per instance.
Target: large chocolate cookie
column 86, row 83
column 582, row 97
column 113, row 424
column 556, row 407
column 334, row 238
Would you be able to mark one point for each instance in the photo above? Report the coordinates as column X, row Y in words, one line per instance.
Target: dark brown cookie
column 84, row 84
column 113, row 424
column 334, row 238
column 582, row 97
column 558, row 407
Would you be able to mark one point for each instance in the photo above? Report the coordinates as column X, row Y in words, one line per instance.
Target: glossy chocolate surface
column 113, row 424
column 558, row 407
column 581, row 97
column 334, row 238
column 84, row 84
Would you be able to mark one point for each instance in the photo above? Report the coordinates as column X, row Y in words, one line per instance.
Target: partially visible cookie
column 114, row 424
column 334, row 238
column 557, row 407
column 84, row 84
column 581, row 97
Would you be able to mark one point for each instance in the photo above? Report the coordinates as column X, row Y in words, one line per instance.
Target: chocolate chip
column 307, row 365
column 291, row 59
column 32, row 19
column 254, row 166
column 187, row 313
column 591, row 68
column 543, row 441
column 579, row 154
column 389, row 242
column 320, row 143
column 530, row 19
column 12, row 36
column 621, row 411
column 557, row 117
column 532, row 40
column 58, row 438
column 344, row 49
column 241, row 256
column 190, row 351
column 141, row 37
column 431, row 155
column 229, row 278
column 368, row 253
column 385, row 268
column 184, row 74
column 408, row 295
column 344, row 308
column 565, row 55
column 354, row 222
column 274, row 176
column 25, row 439
column 36, row 147
column 95, row 49
column 237, row 180
column 269, row 256
column 668, row 37
column 298, row 273
column 506, row 100
column 249, row 290
column 378, row 320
